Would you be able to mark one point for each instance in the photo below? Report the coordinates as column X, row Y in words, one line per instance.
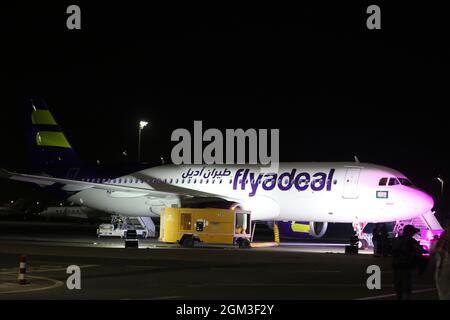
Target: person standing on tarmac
column 383, row 244
column 406, row 252
column 441, row 252
column 376, row 240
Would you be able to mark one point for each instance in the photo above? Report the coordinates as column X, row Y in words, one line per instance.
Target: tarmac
column 291, row 271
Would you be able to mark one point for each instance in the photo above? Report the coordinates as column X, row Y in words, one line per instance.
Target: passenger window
column 393, row 181
column 383, row 181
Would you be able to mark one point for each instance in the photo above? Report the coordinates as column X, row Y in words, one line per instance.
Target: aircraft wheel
column 187, row 241
column 244, row 244
column 362, row 244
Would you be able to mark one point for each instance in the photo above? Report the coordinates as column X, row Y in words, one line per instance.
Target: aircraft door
column 351, row 183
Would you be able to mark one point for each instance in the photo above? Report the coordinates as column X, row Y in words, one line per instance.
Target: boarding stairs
column 141, row 223
column 424, row 222
column 135, row 223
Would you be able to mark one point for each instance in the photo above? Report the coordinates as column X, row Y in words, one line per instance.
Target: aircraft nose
column 421, row 201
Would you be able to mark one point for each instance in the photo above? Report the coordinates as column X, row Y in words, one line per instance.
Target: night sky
column 334, row 88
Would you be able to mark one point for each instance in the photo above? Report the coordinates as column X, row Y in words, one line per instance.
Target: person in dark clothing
column 406, row 252
column 383, row 241
column 376, row 240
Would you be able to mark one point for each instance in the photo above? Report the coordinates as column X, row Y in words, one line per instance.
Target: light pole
column 142, row 125
column 442, row 186
column 442, row 197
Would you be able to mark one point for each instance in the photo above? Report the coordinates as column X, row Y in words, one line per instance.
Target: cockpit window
column 393, row 181
column 383, row 181
column 405, row 182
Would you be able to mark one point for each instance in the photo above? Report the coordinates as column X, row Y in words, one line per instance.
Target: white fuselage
column 322, row 192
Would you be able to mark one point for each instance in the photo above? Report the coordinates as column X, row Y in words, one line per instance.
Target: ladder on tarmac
column 135, row 223
column 428, row 225
column 141, row 223
column 148, row 224
column 424, row 222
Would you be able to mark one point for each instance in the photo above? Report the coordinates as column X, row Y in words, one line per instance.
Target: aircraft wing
column 75, row 185
column 115, row 190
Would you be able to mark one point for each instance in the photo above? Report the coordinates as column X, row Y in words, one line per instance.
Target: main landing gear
column 359, row 228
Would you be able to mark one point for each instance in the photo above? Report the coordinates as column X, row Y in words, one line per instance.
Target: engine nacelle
column 318, row 229
column 300, row 229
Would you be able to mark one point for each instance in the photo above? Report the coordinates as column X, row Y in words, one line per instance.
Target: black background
column 334, row 88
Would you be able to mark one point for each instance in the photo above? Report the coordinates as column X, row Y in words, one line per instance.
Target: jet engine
column 318, row 229
column 301, row 229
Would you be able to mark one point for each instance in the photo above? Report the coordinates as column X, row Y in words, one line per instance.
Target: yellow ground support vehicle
column 209, row 225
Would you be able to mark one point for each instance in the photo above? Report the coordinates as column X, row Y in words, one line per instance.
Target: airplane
column 73, row 212
column 14, row 208
column 328, row 192
column 6, row 211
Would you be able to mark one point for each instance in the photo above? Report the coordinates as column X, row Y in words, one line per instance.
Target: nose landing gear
column 359, row 228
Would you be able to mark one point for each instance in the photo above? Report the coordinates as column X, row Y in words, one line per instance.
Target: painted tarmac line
column 319, row 245
column 56, row 284
column 146, row 267
column 293, row 271
column 393, row 295
column 166, row 298
column 276, row 285
column 334, row 285
column 31, row 270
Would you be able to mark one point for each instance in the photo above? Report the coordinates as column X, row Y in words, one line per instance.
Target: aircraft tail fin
column 47, row 144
